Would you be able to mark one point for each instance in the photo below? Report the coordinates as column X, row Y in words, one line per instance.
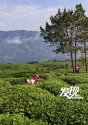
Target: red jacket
column 36, row 77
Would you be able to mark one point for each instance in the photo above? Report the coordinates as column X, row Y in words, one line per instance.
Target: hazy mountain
column 25, row 46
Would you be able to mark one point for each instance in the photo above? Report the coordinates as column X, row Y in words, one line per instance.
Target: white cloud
column 28, row 17
column 2, row 24
column 15, row 40
column 16, row 11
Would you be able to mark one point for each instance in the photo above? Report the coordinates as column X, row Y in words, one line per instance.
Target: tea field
column 41, row 103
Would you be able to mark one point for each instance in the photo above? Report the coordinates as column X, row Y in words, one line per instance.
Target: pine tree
column 65, row 32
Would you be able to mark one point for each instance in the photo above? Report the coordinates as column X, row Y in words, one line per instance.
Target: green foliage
column 68, row 31
column 23, row 104
column 18, row 119
column 39, row 104
column 18, row 81
column 4, row 84
column 76, row 79
column 54, row 86
column 84, row 91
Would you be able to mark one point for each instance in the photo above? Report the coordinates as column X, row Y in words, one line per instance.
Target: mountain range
column 25, row 46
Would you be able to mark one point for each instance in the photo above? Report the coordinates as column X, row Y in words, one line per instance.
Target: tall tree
column 79, row 15
column 84, row 38
column 59, row 32
column 63, row 31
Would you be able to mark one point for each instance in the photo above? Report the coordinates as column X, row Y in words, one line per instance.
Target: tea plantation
column 41, row 103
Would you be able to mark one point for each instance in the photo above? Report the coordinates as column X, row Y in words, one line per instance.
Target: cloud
column 15, row 40
column 2, row 24
column 17, row 11
column 28, row 17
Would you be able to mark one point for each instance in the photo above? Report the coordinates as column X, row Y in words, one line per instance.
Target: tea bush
column 36, row 103
column 4, row 83
column 33, row 104
column 18, row 119
column 54, row 86
column 13, row 81
column 84, row 91
column 75, row 79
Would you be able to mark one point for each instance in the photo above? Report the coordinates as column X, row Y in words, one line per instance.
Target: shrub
column 75, row 79
column 84, row 91
column 4, row 83
column 36, row 103
column 15, row 81
column 18, row 119
column 54, row 86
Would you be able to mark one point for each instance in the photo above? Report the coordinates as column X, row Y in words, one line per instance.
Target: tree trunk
column 85, row 56
column 75, row 57
column 85, row 62
column 72, row 65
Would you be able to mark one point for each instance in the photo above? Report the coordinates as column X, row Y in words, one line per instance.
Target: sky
column 31, row 14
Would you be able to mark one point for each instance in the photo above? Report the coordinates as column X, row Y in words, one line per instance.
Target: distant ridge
column 25, row 46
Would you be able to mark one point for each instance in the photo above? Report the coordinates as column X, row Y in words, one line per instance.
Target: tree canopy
column 68, row 31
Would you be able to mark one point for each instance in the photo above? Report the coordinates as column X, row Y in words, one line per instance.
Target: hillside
column 25, row 46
